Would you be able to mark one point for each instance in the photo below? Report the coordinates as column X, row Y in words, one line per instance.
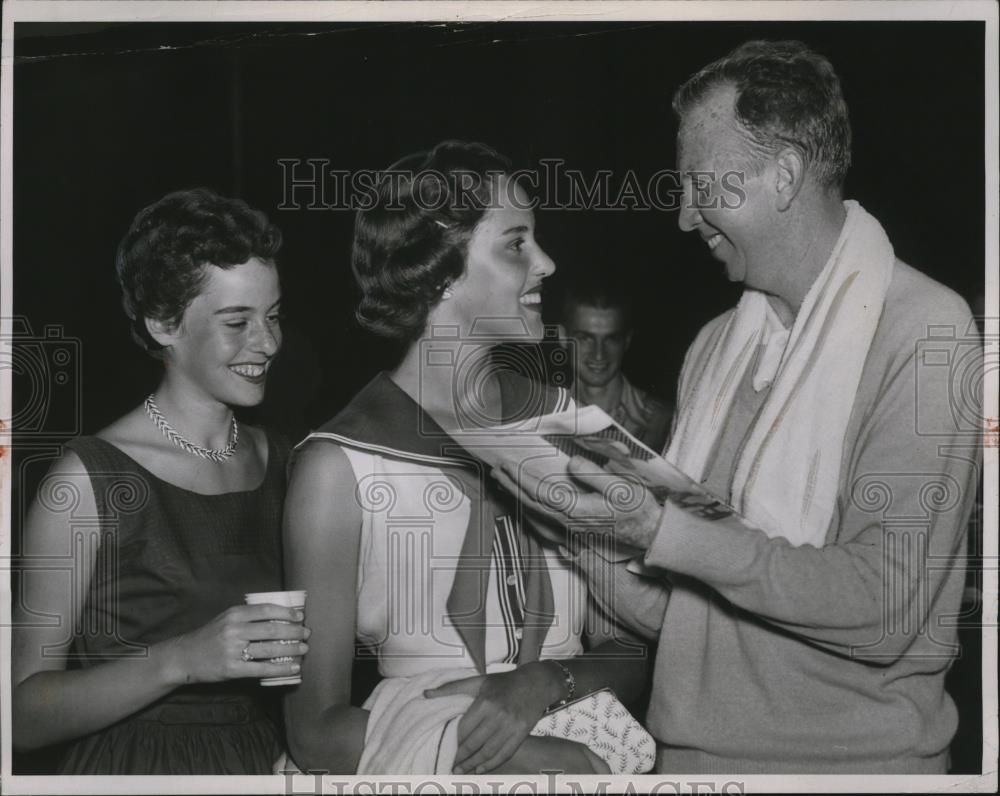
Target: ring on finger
column 245, row 654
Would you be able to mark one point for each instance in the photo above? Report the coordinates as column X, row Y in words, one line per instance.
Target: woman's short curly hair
column 412, row 241
column 161, row 260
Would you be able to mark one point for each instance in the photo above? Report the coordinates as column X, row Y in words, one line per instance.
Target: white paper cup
column 290, row 599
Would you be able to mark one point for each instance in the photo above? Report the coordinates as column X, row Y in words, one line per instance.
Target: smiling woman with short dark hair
column 153, row 666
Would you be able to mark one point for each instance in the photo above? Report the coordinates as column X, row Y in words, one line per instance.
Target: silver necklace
column 217, row 455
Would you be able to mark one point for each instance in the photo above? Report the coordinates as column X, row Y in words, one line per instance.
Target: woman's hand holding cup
column 240, row 642
column 283, row 647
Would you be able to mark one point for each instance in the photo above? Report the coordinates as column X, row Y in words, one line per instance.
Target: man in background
column 597, row 321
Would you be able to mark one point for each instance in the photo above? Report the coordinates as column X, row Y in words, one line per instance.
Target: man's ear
column 163, row 332
column 628, row 339
column 791, row 173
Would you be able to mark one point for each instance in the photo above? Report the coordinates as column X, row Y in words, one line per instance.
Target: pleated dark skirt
column 230, row 734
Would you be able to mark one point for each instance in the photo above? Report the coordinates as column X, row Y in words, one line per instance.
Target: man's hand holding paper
column 579, row 472
column 587, row 499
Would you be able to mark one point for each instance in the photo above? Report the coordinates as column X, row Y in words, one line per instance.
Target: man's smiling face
column 714, row 158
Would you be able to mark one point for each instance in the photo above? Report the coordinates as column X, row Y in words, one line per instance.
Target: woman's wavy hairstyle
column 161, row 260
column 412, row 241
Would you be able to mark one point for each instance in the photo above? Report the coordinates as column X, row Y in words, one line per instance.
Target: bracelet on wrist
column 570, row 682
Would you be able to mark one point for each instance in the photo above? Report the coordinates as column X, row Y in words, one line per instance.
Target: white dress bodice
column 414, row 521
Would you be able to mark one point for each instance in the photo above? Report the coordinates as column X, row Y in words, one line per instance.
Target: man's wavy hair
column 413, row 241
column 161, row 261
column 786, row 95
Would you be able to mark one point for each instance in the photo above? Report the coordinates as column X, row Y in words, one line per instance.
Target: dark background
column 108, row 118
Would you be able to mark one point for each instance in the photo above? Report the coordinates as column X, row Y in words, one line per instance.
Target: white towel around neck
column 787, row 477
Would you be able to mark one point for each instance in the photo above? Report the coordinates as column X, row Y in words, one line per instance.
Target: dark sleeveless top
column 169, row 561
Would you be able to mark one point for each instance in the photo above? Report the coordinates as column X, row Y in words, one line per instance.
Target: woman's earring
column 446, row 293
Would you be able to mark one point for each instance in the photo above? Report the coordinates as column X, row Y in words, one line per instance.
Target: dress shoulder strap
column 100, row 456
column 280, row 448
column 119, row 483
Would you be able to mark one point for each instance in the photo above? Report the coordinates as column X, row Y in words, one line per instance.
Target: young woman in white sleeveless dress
column 404, row 542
